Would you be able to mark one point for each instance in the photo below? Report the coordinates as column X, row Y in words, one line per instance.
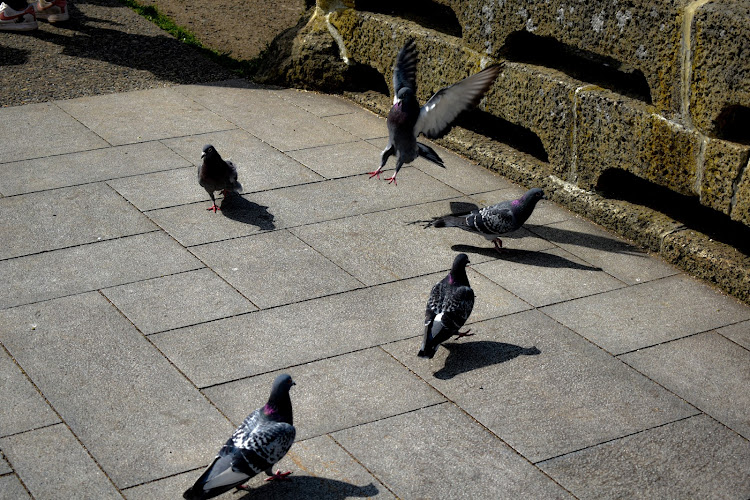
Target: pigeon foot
column 392, row 179
column 214, row 207
column 465, row 334
column 375, row 174
column 498, row 244
column 281, row 476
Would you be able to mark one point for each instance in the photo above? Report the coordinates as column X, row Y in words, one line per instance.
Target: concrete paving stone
column 178, row 300
column 48, row 220
column 275, row 268
column 259, row 166
column 602, row 249
column 439, row 452
column 137, row 416
column 87, row 166
column 739, row 332
column 4, row 466
column 143, row 115
column 168, row 188
column 318, row 104
column 320, row 470
column 361, row 123
column 32, row 123
column 693, row 458
column 268, row 117
column 650, row 313
column 53, row 464
column 12, row 489
column 546, row 277
column 706, row 370
column 393, row 244
column 339, row 160
column 88, row 267
column 542, row 388
column 334, row 393
column 268, row 340
column 23, row 407
column 194, row 224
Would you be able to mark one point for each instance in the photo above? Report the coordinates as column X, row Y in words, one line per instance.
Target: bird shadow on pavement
column 310, row 487
column 467, row 356
column 588, row 240
column 528, row 257
column 237, row 207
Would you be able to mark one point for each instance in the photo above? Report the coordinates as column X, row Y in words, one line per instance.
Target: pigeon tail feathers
column 427, row 152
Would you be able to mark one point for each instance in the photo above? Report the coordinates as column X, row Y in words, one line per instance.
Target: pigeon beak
column 203, row 155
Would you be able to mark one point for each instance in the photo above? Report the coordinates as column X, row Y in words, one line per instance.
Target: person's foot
column 53, row 12
column 17, row 20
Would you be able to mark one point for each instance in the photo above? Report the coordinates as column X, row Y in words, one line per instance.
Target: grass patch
column 242, row 67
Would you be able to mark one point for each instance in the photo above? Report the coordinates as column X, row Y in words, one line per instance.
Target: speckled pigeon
column 449, row 306
column 262, row 440
column 406, row 120
column 494, row 220
column 217, row 174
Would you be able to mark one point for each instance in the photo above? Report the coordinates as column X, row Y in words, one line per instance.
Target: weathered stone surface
column 723, row 165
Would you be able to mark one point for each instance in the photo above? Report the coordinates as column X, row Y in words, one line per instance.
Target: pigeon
column 262, row 440
column 494, row 220
column 406, row 120
column 217, row 174
column 449, row 306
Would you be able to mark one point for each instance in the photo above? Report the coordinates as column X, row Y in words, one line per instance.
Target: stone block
column 12, row 489
column 692, row 458
column 721, row 178
column 53, row 464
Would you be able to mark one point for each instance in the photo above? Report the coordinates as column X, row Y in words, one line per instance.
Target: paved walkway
column 137, row 329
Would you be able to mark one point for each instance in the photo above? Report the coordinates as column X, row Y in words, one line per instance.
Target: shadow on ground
column 310, row 487
column 243, row 210
column 467, row 356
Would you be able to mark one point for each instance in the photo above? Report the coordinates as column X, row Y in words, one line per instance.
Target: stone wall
column 657, row 88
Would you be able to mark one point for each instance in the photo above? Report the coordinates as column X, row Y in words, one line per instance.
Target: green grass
column 241, row 67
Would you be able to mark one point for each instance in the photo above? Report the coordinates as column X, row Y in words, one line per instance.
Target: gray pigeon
column 217, row 174
column 494, row 220
column 449, row 306
column 262, row 440
column 406, row 120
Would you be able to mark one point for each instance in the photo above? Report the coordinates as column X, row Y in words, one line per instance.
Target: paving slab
column 53, row 464
column 48, row 220
column 706, row 370
column 339, row 160
column 439, row 452
column 546, row 276
column 259, row 166
column 738, row 332
column 4, row 466
column 275, row 339
column 647, row 314
column 23, row 407
column 178, row 300
column 692, row 458
column 112, row 388
column 334, row 393
column 12, row 489
column 193, row 224
column 268, row 117
column 275, row 268
column 542, row 388
column 320, row 470
column 393, row 244
column 87, row 166
column 88, row 267
column 317, row 103
column 143, row 115
column 163, row 189
column 33, row 123
column 602, row 249
column 361, row 123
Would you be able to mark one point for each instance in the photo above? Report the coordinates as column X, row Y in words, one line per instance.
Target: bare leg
column 392, row 178
column 465, row 334
column 387, row 152
column 498, row 244
column 279, row 476
column 213, row 207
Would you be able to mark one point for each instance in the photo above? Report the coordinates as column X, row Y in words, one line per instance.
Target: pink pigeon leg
column 392, row 179
column 498, row 244
column 214, row 207
column 279, row 476
column 376, row 173
column 465, row 334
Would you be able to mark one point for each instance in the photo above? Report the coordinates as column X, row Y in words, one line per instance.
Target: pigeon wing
column 457, row 307
column 437, row 114
column 492, row 220
column 405, row 70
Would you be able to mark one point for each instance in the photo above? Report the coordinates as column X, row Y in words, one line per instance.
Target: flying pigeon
column 217, row 174
column 449, row 306
column 262, row 440
column 406, row 120
column 494, row 220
